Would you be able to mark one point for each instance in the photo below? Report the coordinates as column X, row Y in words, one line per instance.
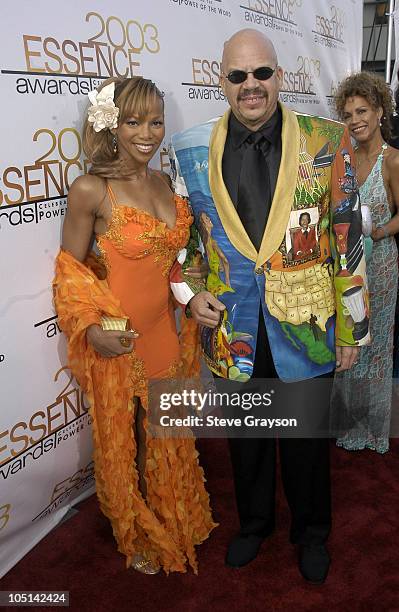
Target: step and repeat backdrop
column 53, row 54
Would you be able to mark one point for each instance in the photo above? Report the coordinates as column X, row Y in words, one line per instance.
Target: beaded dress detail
column 362, row 396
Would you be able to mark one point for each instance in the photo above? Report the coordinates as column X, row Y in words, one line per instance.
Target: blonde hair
column 134, row 96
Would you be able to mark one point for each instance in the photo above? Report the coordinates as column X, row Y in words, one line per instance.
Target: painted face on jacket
column 304, row 221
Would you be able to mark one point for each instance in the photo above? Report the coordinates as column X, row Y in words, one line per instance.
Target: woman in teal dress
column 362, row 397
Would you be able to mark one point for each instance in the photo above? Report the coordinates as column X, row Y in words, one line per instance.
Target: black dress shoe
column 243, row 549
column 314, row 562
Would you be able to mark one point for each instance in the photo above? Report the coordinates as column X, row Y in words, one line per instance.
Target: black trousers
column 305, row 470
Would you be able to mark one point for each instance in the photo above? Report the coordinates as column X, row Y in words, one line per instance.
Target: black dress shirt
column 237, row 134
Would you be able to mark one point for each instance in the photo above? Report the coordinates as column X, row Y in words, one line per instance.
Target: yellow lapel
column 283, row 195
column 225, row 207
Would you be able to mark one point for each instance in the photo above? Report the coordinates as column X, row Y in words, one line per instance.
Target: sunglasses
column 260, row 74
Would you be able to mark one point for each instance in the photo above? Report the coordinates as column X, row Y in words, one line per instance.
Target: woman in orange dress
column 151, row 488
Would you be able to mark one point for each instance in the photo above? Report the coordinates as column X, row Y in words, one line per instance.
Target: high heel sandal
column 143, row 565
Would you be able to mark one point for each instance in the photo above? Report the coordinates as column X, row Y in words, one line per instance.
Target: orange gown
column 138, row 251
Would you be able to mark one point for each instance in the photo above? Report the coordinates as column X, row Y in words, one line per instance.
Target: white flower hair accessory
column 103, row 113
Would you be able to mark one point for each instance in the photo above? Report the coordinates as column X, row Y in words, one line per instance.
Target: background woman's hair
column 202, row 229
column 397, row 94
column 134, row 96
column 371, row 87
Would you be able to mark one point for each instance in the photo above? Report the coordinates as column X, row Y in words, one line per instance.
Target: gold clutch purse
column 115, row 323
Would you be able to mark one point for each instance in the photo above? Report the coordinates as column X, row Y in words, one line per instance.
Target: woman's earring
column 115, row 144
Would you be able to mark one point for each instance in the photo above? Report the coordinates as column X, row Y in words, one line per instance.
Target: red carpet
column 80, row 555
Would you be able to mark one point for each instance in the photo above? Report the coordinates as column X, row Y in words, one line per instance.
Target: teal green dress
column 362, row 396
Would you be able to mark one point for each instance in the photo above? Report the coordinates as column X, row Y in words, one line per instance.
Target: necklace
column 371, row 157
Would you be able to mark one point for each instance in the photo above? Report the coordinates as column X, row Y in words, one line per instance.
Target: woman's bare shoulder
column 87, row 191
column 87, row 184
column 393, row 156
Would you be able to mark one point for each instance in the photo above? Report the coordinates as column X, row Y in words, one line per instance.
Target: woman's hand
column 378, row 233
column 346, row 357
column 201, row 271
column 110, row 343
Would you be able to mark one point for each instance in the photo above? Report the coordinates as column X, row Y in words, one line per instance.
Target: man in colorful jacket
column 267, row 310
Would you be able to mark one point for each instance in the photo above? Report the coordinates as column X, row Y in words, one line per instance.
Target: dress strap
column 380, row 158
column 111, row 194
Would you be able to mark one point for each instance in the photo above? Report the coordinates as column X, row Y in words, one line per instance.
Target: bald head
column 253, row 95
column 244, row 39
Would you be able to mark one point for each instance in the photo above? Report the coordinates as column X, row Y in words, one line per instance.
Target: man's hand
column 206, row 309
column 345, row 357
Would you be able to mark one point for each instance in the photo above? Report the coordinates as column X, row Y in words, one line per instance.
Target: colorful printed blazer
column 310, row 303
